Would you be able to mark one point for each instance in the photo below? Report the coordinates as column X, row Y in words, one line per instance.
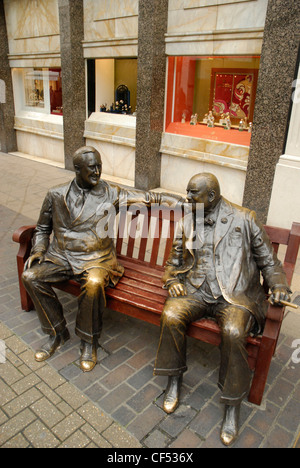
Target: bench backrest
column 147, row 234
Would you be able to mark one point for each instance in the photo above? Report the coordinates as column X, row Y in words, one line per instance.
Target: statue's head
column 88, row 166
column 204, row 189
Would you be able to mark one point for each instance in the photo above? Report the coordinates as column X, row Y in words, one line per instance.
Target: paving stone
column 47, row 412
column 71, row 395
column 15, row 425
column 76, row 440
column 175, row 423
column 206, row 420
column 157, row 440
column 116, row 397
column 68, row 425
column 187, row 439
column 97, row 438
column 279, row 438
column 40, row 436
column 21, row 402
column 120, row 438
column 18, row 441
column 146, row 421
column 24, row 384
column 95, row 417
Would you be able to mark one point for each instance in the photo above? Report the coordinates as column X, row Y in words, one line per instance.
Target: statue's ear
column 77, row 168
column 212, row 196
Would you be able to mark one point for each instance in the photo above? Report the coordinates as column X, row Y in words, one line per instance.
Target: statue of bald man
column 217, row 277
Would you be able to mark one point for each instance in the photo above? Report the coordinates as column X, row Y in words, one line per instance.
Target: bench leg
column 26, row 301
column 264, row 358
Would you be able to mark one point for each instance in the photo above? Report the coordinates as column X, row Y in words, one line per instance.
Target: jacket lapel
column 223, row 222
column 92, row 206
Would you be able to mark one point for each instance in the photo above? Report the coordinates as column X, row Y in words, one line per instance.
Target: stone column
column 153, row 19
column 7, row 112
column 273, row 102
column 73, row 75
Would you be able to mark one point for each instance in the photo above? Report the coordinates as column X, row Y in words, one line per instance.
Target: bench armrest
column 23, row 234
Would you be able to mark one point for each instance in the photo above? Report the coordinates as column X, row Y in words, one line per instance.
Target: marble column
column 73, row 75
column 273, row 102
column 153, row 18
column 7, row 132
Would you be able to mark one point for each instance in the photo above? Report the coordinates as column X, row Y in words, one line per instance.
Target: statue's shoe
column 88, row 358
column 52, row 345
column 230, row 425
column 171, row 400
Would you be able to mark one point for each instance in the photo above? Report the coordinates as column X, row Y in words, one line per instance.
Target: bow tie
column 209, row 221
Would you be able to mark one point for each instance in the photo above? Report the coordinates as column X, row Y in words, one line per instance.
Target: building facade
column 140, row 81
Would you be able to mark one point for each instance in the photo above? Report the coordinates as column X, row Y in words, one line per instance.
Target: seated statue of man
column 76, row 214
column 218, row 276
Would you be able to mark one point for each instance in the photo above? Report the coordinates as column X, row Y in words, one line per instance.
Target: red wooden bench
column 139, row 293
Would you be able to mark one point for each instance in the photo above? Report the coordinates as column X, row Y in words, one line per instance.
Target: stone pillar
column 273, row 102
column 153, row 20
column 7, row 112
column 73, row 75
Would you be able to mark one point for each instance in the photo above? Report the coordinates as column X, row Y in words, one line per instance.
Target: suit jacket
column 87, row 241
column 241, row 250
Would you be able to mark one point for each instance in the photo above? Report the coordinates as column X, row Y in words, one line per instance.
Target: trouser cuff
column 88, row 338
column 170, row 372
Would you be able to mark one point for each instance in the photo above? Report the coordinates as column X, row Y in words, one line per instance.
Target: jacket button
column 224, row 220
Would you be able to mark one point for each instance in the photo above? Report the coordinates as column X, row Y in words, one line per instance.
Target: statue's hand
column 37, row 257
column 177, row 289
column 280, row 294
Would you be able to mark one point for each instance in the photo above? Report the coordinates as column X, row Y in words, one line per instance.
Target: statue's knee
column 28, row 277
column 233, row 332
column 94, row 281
column 171, row 316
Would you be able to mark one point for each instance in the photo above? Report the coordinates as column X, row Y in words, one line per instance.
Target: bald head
column 204, row 188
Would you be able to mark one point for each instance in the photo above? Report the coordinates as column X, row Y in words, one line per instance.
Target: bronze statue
column 218, row 276
column 83, row 248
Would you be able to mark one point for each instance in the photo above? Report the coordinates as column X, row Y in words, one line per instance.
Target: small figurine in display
column 194, row 119
column 183, row 118
column 227, row 125
column 205, row 119
column 250, row 127
column 242, row 125
column 210, row 120
column 222, row 120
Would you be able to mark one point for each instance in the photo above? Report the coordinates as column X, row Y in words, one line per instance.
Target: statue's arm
column 41, row 236
column 173, row 277
column 268, row 262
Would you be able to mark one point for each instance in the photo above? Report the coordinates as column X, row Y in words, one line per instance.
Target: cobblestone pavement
column 54, row 404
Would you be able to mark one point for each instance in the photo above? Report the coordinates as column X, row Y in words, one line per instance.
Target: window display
column 34, row 88
column 112, row 85
column 38, row 90
column 207, row 95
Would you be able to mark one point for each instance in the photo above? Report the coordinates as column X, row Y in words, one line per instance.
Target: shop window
column 55, row 89
column 38, row 90
column 112, row 86
column 208, row 95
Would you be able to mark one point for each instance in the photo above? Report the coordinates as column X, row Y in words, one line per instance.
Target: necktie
column 78, row 204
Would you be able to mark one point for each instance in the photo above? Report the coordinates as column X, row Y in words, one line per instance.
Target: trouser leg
column 235, row 375
column 91, row 303
column 37, row 281
column 178, row 313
